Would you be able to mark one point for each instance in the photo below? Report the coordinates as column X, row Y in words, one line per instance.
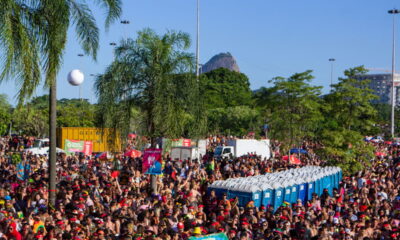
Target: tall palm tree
column 155, row 74
column 33, row 36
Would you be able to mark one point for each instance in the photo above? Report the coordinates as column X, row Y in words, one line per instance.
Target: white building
column 381, row 84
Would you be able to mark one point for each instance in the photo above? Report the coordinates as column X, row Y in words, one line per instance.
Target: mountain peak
column 221, row 60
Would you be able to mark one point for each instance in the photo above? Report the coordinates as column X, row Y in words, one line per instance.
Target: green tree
column 75, row 113
column 35, row 32
column 235, row 121
column 295, row 108
column 350, row 102
column 225, row 88
column 349, row 117
column 154, row 74
column 31, row 121
column 5, row 114
column 383, row 119
column 31, row 118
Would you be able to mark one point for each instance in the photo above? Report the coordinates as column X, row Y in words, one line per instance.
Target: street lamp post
column 198, row 42
column 393, row 12
column 331, row 60
column 80, row 55
column 125, row 23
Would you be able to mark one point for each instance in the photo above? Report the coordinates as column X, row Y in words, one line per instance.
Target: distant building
column 381, row 85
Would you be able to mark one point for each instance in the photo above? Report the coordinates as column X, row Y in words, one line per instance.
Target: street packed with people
column 112, row 199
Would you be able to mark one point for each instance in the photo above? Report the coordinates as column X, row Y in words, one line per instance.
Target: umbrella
column 368, row 139
column 103, row 156
column 293, row 159
column 388, row 142
column 298, row 151
column 377, row 139
column 133, row 153
column 380, row 154
column 131, row 136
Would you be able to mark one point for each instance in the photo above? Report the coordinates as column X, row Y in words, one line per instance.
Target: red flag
column 340, row 199
column 115, row 174
column 133, row 153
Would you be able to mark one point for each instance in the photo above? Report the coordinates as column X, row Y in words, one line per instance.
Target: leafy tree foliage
column 75, row 113
column 152, row 73
column 5, row 114
column 31, row 121
column 236, row 121
column 295, row 108
column 225, row 88
column 384, row 119
column 32, row 117
column 349, row 117
column 33, row 36
column 227, row 98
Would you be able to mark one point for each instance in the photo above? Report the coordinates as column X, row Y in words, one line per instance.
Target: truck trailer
column 99, row 138
column 242, row 147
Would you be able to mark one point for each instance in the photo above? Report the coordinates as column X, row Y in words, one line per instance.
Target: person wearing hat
column 197, row 231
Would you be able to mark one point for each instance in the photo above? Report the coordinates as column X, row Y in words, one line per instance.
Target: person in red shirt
column 13, row 233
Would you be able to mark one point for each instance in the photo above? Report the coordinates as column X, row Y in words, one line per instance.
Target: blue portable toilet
column 324, row 181
column 245, row 193
column 340, row 175
column 293, row 192
column 287, row 190
column 331, row 184
column 318, row 185
column 219, row 187
column 335, row 177
column 302, row 190
column 335, row 174
column 278, row 195
column 267, row 195
column 310, row 187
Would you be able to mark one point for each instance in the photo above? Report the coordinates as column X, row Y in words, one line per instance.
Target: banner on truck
column 167, row 144
column 73, row 146
column 152, row 161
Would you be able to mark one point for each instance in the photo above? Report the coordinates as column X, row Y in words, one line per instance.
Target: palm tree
column 33, row 36
column 153, row 73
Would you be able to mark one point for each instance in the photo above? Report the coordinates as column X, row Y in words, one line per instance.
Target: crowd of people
column 112, row 199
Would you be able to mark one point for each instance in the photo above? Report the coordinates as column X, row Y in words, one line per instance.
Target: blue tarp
column 298, row 151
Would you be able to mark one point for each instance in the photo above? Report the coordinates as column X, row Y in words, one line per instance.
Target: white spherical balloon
column 76, row 77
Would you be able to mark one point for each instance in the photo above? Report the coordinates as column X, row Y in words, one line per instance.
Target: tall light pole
column 198, row 42
column 331, row 60
column 80, row 55
column 113, row 45
column 393, row 12
column 125, row 23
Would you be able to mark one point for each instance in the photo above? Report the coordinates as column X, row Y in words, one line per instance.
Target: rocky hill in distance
column 222, row 60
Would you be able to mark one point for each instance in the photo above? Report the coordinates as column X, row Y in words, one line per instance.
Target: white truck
column 185, row 153
column 41, row 147
column 193, row 152
column 241, row 147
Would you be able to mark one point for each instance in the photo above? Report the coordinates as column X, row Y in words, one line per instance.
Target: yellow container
column 99, row 138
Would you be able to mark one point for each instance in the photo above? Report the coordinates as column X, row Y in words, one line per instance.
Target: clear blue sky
column 267, row 38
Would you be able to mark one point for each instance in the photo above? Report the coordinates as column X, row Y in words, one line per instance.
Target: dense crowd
column 103, row 199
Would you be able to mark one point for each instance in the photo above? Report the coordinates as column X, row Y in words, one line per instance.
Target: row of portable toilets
column 273, row 189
